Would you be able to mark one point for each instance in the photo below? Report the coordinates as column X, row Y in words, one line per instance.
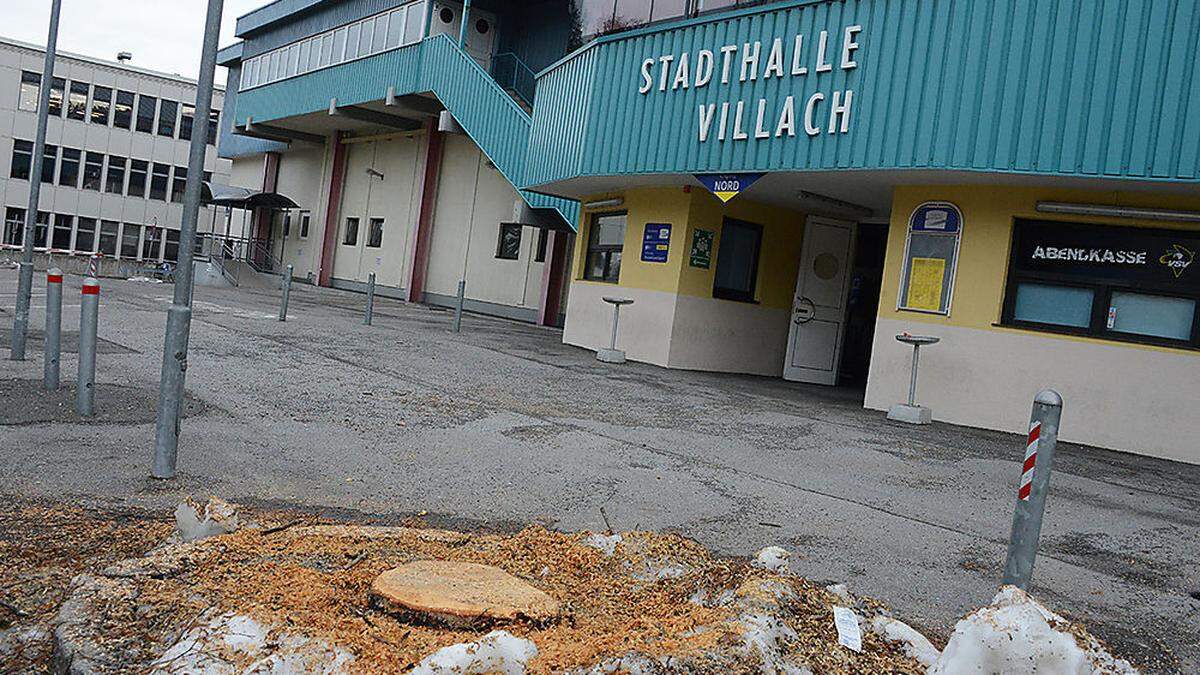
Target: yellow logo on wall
column 1178, row 258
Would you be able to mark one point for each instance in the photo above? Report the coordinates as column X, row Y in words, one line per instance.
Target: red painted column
column 261, row 219
column 554, row 278
column 337, row 176
column 429, row 189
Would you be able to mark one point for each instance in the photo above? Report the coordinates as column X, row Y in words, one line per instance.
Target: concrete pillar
column 335, row 180
column 554, row 277
column 428, row 196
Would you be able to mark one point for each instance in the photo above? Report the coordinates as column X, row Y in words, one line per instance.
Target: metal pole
column 462, row 28
column 287, row 292
column 89, row 319
column 612, row 344
column 912, row 382
column 458, row 306
column 179, row 316
column 25, row 279
column 370, row 299
column 53, row 342
column 1033, row 487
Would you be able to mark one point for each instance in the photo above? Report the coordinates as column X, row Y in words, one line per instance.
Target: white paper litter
column 772, row 558
column 497, row 652
column 849, row 634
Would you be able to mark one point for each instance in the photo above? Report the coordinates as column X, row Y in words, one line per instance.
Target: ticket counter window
column 606, row 240
column 1115, row 283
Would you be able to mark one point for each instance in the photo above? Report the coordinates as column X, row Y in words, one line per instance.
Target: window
column 109, row 232
column 606, row 239
column 123, row 110
column 131, row 237
column 116, row 175
column 350, row 234
column 61, row 240
column 326, row 50
column 543, row 237
column 305, row 55
column 1120, row 283
column 339, row 45
column 291, row 55
column 31, row 89
column 352, row 34
column 93, row 171
column 14, row 226
column 41, row 229
column 508, row 244
column 68, row 173
column 395, row 30
column 137, row 178
column 375, row 233
column 171, row 246
column 22, row 159
column 414, row 24
column 179, row 184
column 57, row 85
column 287, row 223
column 736, row 276
column 305, row 217
column 368, row 36
column 187, row 117
column 930, row 258
column 145, row 113
column 77, row 101
column 151, row 243
column 85, row 235
column 49, row 159
column 160, row 180
column 214, row 121
column 167, row 111
column 101, row 104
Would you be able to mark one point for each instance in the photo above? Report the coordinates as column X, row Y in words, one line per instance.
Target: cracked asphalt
column 503, row 425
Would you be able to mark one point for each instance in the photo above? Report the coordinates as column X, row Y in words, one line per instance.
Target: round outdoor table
column 913, row 413
column 612, row 354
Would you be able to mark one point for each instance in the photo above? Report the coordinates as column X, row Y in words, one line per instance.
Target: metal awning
column 243, row 198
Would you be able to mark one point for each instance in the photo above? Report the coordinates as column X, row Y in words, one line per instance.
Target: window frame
column 31, row 83
column 501, row 254
column 167, row 124
column 736, row 294
column 75, row 109
column 70, row 158
column 124, row 110
column 139, row 117
column 606, row 250
column 346, row 231
column 372, row 241
column 101, row 103
column 24, row 152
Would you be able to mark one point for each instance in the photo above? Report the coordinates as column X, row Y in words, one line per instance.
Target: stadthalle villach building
column 781, row 188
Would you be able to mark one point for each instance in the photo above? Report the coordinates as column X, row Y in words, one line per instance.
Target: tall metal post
column 458, row 305
column 179, row 316
column 370, row 300
column 462, row 28
column 25, row 278
column 89, row 320
column 1032, row 488
column 912, row 381
column 53, row 344
column 287, row 293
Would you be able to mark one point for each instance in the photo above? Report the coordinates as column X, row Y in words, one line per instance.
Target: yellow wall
column 988, row 215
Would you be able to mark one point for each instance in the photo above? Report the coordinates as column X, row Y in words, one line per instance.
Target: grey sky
column 163, row 35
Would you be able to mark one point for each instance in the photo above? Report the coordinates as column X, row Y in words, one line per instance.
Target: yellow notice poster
column 925, row 276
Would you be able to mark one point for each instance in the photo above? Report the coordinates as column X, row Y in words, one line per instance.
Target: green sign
column 702, row 246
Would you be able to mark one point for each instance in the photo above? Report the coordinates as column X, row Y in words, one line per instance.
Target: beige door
column 818, row 320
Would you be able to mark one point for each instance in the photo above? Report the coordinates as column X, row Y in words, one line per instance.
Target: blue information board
column 656, row 242
column 942, row 217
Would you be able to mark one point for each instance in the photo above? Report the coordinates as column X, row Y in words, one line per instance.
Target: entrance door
column 819, row 305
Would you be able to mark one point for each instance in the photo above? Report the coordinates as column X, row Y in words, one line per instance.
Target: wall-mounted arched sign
column 930, row 258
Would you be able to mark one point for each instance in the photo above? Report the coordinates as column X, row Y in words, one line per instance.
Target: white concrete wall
column 729, row 337
column 301, row 178
column 645, row 328
column 987, row 378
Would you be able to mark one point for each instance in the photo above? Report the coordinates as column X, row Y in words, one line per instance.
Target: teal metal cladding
column 1063, row 87
column 489, row 116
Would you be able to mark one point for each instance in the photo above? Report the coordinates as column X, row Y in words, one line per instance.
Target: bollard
column 53, row 344
column 370, row 299
column 458, row 305
column 287, row 290
column 1032, row 488
column 89, row 319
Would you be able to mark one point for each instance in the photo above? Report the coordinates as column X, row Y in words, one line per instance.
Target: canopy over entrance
column 243, row 198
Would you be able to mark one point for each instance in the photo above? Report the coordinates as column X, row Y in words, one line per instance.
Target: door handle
column 804, row 311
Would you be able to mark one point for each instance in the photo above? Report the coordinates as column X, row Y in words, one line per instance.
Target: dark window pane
column 85, row 235
column 145, row 113
column 116, row 175
column 130, row 237
column 171, row 246
column 93, row 171
column 137, row 178
column 305, row 219
column 56, row 96
column 77, row 101
column 375, row 233
column 109, row 231
column 41, row 229
column 187, row 118
column 49, row 159
column 68, row 173
column 159, row 181
column 61, row 240
column 508, row 247
column 213, row 122
column 606, row 239
column 737, row 261
column 350, row 234
column 543, row 236
column 101, row 103
column 178, row 184
column 166, row 118
column 152, row 242
column 31, row 85
column 123, row 110
column 22, row 159
column 14, row 226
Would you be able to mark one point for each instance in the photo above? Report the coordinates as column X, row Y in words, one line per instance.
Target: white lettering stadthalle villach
column 750, row 62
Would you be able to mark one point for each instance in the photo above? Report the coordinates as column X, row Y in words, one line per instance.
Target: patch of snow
column 657, row 570
column 144, row 280
column 244, row 634
column 915, row 645
column 194, row 653
column 772, row 558
column 706, row 598
column 606, row 545
column 842, row 591
column 1016, row 635
column 197, row 521
column 497, row 652
column 763, row 635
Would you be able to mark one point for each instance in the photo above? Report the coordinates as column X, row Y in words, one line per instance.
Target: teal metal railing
column 511, row 73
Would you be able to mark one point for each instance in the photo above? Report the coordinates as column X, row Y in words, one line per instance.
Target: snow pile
column 497, row 652
column 915, row 645
column 195, row 521
column 144, row 280
column 202, row 651
column 606, row 545
column 772, row 558
column 1016, row 635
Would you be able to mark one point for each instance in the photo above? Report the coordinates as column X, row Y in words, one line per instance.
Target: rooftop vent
column 124, row 57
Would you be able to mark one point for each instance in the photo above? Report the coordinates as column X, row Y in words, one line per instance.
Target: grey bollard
column 53, row 343
column 21, row 318
column 458, row 305
column 287, row 291
column 89, row 319
column 367, row 318
column 1032, row 488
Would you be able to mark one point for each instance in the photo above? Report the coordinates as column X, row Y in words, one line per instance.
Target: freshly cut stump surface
column 454, row 592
